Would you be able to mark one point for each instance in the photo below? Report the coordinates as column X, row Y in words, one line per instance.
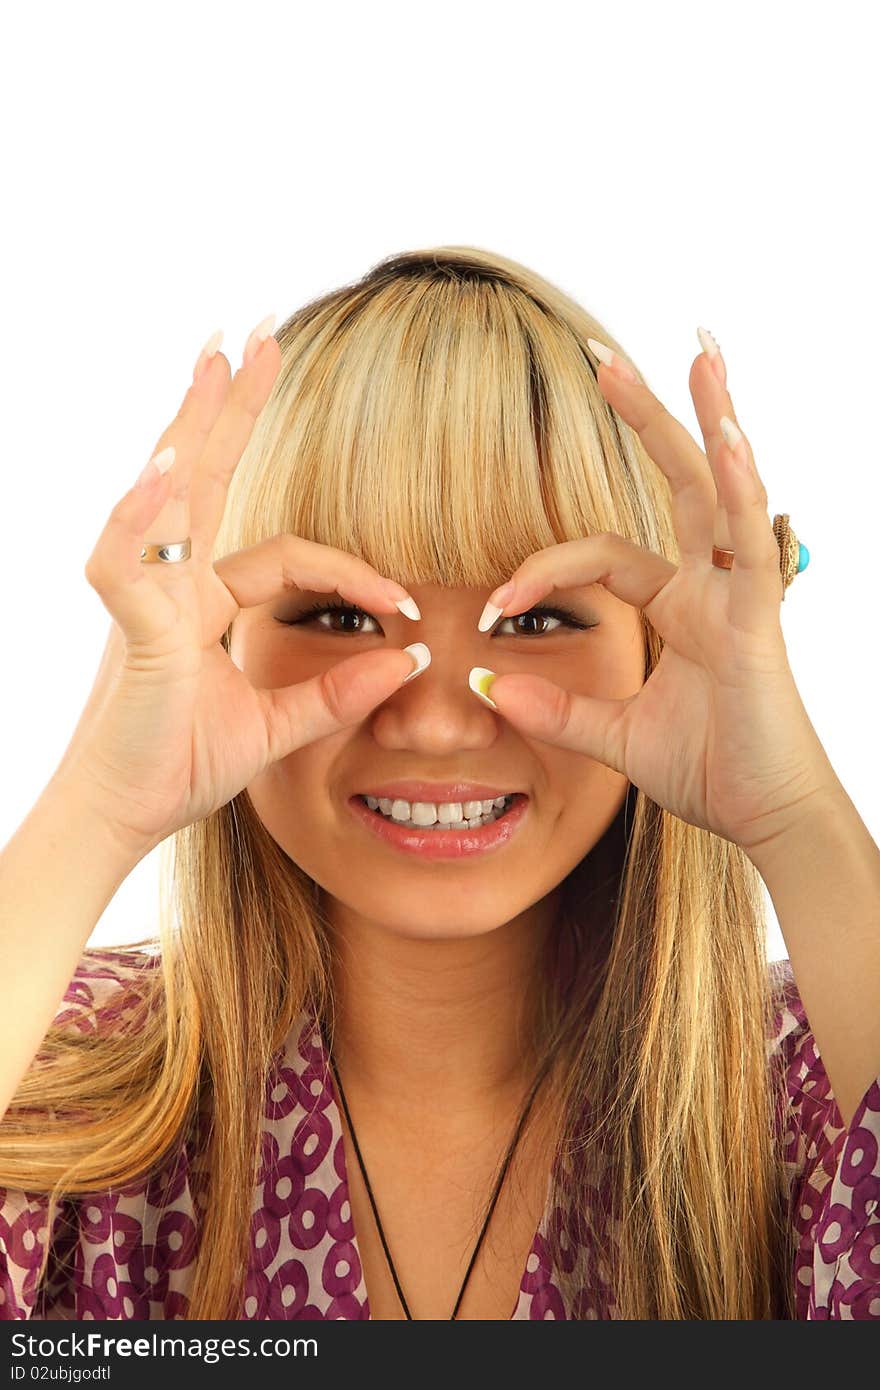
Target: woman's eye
column 537, row 615
column 350, row 620
column 349, row 611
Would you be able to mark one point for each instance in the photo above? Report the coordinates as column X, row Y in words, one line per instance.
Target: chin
column 448, row 924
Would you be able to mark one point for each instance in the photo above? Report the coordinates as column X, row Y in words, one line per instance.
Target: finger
column 675, row 452
column 156, row 513
column 711, row 401
column 625, row 569
column 248, row 393
column 342, row 695
column 755, row 577
column 582, row 723
column 189, row 433
column 143, row 608
column 743, row 520
column 273, row 567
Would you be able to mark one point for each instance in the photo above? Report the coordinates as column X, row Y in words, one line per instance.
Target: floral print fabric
column 128, row 1253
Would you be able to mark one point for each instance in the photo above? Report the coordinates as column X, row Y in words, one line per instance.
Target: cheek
column 267, row 653
column 291, row 797
column 586, row 796
column 613, row 668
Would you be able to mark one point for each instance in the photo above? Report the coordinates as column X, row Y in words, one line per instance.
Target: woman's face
column 434, row 728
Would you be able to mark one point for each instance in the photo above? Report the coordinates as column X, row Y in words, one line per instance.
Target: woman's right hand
column 172, row 728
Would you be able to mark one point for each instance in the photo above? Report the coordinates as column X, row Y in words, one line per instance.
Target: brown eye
column 350, row 612
column 537, row 615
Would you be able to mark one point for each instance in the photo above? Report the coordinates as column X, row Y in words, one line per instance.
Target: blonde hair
column 441, row 417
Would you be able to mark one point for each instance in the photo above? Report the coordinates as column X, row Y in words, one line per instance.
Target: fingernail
column 159, row 464
column 479, row 679
column 713, row 352
column 421, row 656
column 731, row 434
column 207, row 353
column 495, row 606
column 612, row 360
column 256, row 338
column 404, row 601
column 409, row 608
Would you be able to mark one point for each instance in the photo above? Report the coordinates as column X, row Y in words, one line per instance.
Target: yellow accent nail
column 480, row 679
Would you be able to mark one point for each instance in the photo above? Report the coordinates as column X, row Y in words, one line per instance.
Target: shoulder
column 789, row 1019
column 109, row 990
column 791, row 1040
column 810, row 1111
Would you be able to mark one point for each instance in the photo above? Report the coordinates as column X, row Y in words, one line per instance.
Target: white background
column 172, row 169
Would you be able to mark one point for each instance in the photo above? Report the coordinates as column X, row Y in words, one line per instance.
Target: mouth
column 442, row 829
column 440, row 815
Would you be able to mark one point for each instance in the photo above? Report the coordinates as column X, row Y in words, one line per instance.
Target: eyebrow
column 573, row 589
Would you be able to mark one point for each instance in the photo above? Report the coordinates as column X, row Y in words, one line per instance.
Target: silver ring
column 167, row 552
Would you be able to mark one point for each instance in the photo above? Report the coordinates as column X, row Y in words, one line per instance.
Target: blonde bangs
column 442, row 429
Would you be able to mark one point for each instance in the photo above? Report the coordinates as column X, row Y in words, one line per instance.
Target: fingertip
column 420, row 655
column 409, row 608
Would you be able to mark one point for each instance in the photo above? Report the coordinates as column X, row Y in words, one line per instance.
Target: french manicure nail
column 421, row 655
column 258, row 336
column 409, row 608
column 732, row 435
column 158, row 464
column 404, row 601
column 488, row 616
column 612, row 360
column 495, row 606
column 207, row 353
column 713, row 352
column 480, row 679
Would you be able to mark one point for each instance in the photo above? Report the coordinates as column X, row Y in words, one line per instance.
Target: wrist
column 71, row 798
column 823, row 816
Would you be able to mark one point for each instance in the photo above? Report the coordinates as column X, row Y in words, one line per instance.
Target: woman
column 534, row 1064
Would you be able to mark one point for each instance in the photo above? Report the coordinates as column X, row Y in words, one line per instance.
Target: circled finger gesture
column 718, row 734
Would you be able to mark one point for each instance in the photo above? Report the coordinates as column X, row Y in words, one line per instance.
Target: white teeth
column 443, row 815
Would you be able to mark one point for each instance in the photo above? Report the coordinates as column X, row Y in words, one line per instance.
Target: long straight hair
column 441, row 418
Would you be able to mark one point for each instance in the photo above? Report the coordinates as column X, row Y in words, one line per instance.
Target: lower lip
column 443, row 844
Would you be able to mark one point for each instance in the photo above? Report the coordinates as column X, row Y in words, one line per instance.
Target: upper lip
column 410, row 790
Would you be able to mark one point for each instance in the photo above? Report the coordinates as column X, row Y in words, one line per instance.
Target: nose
column 440, row 706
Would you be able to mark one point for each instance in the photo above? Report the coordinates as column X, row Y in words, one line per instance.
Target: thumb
column 583, row 723
column 338, row 697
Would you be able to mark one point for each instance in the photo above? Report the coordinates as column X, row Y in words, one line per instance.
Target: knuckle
column 653, row 417
column 294, row 555
column 92, row 571
column 244, row 397
column 332, row 693
column 560, row 711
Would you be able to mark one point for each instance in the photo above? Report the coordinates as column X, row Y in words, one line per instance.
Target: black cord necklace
column 510, row 1151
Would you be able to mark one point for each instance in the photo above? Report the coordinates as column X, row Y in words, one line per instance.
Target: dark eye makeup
column 562, row 615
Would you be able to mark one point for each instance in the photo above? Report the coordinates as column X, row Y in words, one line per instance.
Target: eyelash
column 318, row 609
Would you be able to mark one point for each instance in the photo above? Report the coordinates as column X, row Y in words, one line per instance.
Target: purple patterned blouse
column 127, row 1253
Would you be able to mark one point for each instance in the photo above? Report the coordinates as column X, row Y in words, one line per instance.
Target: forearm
column 823, row 876
column 58, row 872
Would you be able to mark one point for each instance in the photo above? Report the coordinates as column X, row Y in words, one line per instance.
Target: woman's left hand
column 718, row 734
